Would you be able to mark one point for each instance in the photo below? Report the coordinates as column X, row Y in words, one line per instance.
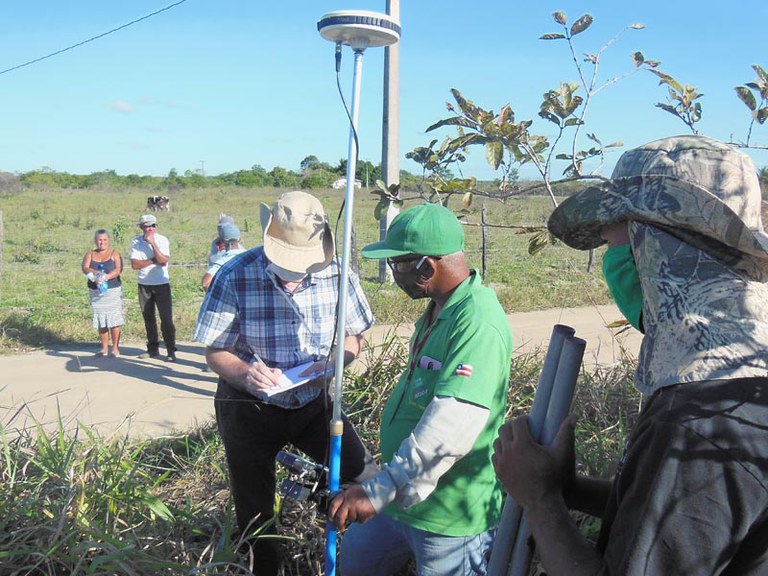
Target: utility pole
column 202, row 167
column 390, row 140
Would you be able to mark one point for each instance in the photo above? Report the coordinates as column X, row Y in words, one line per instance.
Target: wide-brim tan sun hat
column 700, row 190
column 297, row 236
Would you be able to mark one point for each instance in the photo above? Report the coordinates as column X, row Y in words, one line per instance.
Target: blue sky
column 223, row 85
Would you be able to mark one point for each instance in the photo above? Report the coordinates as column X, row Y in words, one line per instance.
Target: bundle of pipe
column 511, row 556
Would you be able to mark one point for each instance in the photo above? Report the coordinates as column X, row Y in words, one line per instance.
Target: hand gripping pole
column 550, row 406
column 560, row 403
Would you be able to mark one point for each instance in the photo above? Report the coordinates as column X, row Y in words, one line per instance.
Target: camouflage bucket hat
column 701, row 191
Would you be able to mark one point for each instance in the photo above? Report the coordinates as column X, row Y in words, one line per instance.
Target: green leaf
column 158, row 507
column 459, row 185
column 665, row 78
column 581, row 24
column 696, row 113
column 494, row 154
column 452, row 145
column 746, row 96
column 638, row 58
column 380, row 210
column 467, row 107
column 760, row 72
column 380, row 184
column 549, row 116
column 761, row 115
column 538, row 242
column 466, row 200
column 552, row 37
column 560, row 18
column 453, row 121
column 506, row 115
column 668, row 108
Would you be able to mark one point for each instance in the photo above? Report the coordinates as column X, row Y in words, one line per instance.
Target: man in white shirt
column 151, row 255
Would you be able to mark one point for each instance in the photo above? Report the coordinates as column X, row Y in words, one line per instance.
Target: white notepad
column 291, row 378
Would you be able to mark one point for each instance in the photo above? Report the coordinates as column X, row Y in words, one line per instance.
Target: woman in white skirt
column 104, row 265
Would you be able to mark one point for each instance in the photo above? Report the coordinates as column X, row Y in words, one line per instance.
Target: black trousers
column 253, row 433
column 158, row 295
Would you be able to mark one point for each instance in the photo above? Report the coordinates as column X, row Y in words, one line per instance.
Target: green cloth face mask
column 623, row 281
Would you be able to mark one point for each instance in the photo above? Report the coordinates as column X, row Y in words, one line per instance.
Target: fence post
column 483, row 216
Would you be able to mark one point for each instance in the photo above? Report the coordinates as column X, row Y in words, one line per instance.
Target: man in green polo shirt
column 437, row 498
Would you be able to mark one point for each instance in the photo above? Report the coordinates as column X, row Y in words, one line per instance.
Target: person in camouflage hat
column 687, row 263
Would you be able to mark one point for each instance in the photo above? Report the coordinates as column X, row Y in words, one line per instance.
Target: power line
column 91, row 39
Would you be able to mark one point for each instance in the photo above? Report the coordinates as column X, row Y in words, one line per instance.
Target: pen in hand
column 260, row 375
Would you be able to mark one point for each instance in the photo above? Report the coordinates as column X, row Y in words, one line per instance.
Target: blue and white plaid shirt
column 247, row 310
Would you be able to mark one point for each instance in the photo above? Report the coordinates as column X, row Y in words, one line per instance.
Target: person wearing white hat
column 267, row 310
column 151, row 256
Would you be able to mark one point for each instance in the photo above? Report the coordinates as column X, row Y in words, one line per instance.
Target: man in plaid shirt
column 267, row 310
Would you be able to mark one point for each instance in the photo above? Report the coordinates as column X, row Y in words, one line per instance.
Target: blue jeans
column 383, row 545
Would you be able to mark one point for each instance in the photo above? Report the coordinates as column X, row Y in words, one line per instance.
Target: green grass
column 43, row 298
column 77, row 503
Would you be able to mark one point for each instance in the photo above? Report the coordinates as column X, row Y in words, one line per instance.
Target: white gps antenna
column 358, row 29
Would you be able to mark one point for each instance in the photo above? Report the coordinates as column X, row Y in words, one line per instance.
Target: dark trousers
column 253, row 434
column 158, row 295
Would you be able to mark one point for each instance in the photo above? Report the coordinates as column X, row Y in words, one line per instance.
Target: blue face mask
column 623, row 281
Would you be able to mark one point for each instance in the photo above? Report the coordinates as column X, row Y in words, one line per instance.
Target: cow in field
column 155, row 203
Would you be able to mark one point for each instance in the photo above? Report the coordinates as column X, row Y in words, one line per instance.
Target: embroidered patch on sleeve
column 464, row 370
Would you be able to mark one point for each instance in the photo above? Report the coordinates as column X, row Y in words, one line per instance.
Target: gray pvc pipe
column 559, row 405
column 511, row 514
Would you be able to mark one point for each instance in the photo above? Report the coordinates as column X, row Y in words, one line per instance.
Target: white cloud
column 122, row 106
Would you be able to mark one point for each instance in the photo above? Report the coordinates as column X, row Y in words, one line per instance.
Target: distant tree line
column 312, row 173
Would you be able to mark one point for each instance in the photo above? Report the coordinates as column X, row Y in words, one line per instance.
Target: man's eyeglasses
column 149, row 225
column 400, row 266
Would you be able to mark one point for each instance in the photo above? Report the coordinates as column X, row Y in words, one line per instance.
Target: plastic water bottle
column 102, row 286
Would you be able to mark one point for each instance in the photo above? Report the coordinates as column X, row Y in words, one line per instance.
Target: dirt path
column 153, row 398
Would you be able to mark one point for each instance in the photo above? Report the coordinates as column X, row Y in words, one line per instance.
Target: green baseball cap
column 427, row 229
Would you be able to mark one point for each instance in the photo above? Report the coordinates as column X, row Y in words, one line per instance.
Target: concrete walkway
column 152, row 398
